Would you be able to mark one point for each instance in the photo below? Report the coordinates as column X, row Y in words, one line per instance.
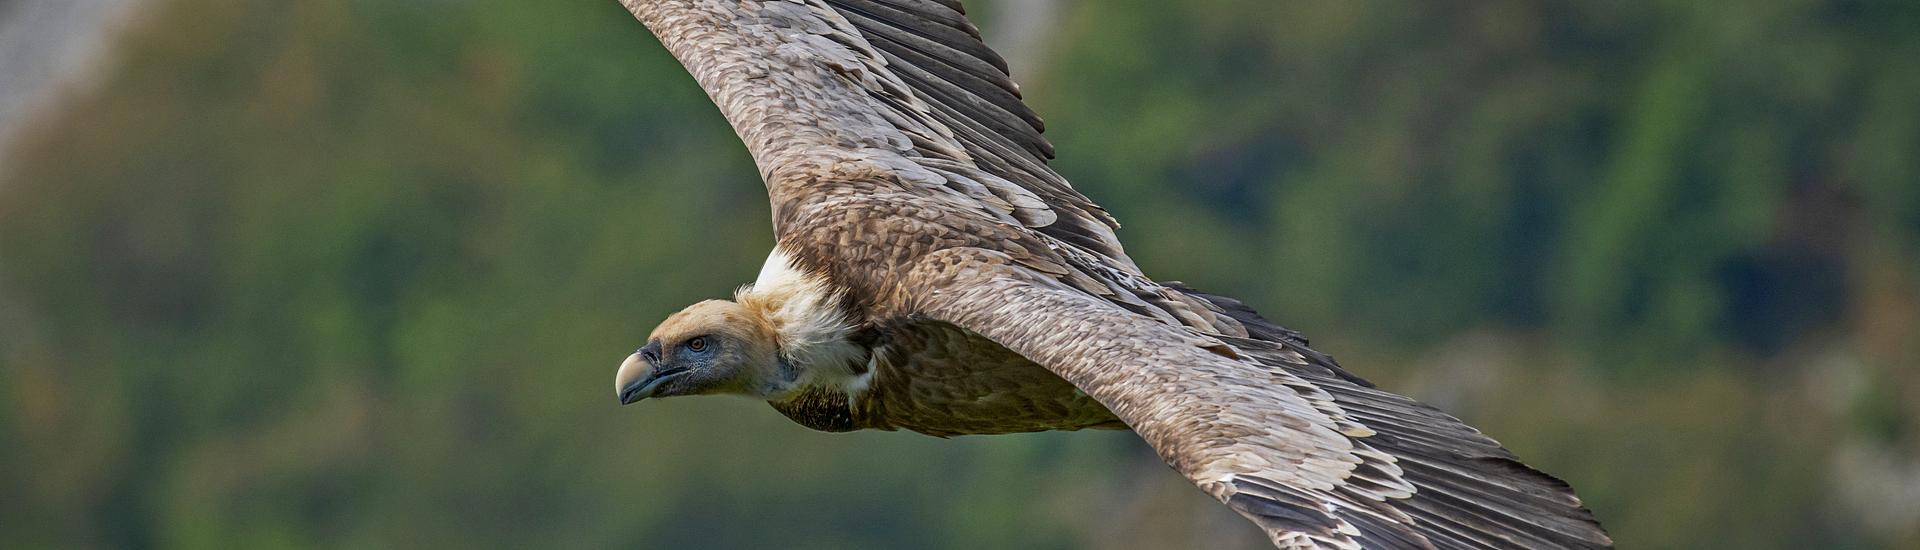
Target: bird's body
column 932, row 273
column 921, row 375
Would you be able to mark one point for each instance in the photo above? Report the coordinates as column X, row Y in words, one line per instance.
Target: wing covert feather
column 1250, row 437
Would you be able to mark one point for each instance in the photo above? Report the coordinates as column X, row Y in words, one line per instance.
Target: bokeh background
column 356, row 273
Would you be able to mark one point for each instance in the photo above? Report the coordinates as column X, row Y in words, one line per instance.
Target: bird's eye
column 697, row 344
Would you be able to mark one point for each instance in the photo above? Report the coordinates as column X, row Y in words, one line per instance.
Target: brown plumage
column 932, row 273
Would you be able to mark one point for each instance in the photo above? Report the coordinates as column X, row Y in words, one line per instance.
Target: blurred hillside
column 45, row 47
column 357, row 272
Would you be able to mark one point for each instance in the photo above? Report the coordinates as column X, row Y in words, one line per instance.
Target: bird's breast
column 936, row 378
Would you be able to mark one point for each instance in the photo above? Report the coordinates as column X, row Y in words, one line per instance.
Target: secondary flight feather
column 933, row 274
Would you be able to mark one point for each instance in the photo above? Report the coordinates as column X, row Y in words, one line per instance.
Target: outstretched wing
column 901, row 163
column 828, row 89
column 1273, row 429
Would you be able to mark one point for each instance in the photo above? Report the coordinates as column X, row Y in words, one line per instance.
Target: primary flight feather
column 932, row 273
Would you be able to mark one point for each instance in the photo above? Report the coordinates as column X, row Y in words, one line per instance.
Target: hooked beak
column 637, row 379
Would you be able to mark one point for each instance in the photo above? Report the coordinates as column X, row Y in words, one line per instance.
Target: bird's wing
column 819, row 89
column 1267, row 426
column 901, row 164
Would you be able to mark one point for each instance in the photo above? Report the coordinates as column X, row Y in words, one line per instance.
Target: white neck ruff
column 813, row 334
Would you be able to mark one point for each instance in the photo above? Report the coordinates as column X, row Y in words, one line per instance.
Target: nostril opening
column 651, row 352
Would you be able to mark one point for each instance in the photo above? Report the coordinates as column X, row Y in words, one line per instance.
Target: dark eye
column 697, row 344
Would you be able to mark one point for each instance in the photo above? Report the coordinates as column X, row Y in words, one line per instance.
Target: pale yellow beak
column 635, row 380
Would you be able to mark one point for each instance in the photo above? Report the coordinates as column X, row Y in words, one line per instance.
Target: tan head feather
column 748, row 345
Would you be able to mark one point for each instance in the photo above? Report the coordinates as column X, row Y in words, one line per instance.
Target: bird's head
column 712, row 347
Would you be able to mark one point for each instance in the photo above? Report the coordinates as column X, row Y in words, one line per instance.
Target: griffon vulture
column 933, row 274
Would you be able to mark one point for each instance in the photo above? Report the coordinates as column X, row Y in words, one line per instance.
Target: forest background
column 357, row 272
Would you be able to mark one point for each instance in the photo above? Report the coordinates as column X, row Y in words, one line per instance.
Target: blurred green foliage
column 357, row 272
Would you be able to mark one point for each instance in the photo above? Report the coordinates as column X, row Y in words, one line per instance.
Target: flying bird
column 932, row 273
